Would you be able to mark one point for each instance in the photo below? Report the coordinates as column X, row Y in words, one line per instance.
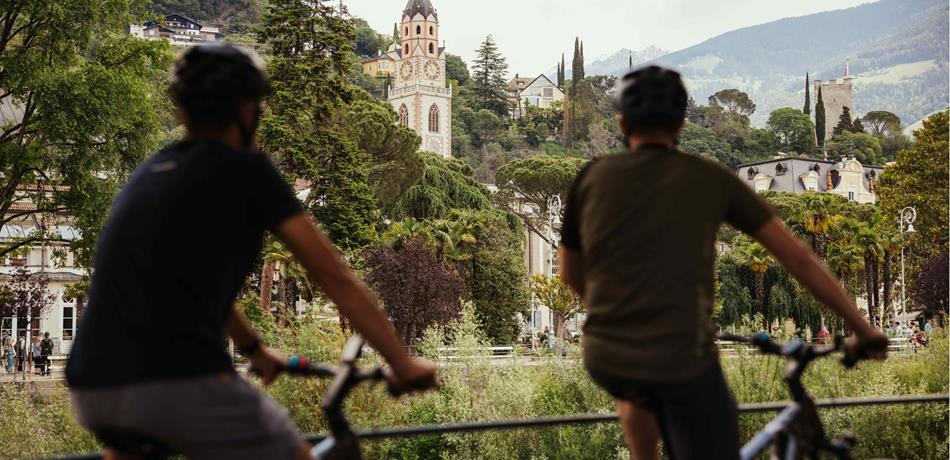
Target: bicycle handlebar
column 798, row 350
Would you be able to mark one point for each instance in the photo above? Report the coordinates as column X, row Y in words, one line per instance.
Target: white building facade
column 419, row 93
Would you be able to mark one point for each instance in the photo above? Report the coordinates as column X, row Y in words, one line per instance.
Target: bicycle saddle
column 135, row 444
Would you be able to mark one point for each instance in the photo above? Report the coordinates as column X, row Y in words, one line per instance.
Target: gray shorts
column 213, row 417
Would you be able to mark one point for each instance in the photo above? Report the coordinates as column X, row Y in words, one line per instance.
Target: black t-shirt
column 181, row 239
column 645, row 224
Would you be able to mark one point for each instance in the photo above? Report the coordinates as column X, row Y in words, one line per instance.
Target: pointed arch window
column 431, row 48
column 407, row 32
column 404, row 115
column 434, row 119
column 405, row 49
column 418, row 30
column 431, row 30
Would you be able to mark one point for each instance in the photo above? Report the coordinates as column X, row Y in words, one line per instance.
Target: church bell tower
column 419, row 93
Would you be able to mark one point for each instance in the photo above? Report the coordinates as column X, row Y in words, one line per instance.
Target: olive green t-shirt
column 646, row 224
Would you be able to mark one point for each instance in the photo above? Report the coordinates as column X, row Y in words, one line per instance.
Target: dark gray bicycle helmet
column 210, row 81
column 651, row 98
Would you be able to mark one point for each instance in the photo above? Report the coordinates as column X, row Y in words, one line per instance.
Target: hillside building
column 419, row 92
column 836, row 95
column 178, row 29
column 848, row 178
column 538, row 92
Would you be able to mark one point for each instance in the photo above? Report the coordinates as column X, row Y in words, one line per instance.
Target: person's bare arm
column 802, row 263
column 328, row 270
column 572, row 269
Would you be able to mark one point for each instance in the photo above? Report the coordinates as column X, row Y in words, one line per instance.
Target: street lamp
column 908, row 215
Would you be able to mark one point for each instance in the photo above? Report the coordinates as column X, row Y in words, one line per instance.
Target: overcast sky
column 532, row 34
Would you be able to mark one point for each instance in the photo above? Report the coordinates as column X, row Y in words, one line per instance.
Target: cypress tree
column 820, row 120
column 563, row 73
column 581, row 63
column 807, row 110
column 577, row 56
column 630, row 64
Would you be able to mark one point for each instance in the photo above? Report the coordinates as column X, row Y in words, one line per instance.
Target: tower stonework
column 836, row 94
column 419, row 93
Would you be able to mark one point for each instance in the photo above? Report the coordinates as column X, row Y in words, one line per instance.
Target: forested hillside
column 230, row 15
column 897, row 49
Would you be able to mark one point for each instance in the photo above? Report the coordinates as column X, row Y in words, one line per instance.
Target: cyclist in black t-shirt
column 181, row 239
column 638, row 246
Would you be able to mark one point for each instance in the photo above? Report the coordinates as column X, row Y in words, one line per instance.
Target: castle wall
column 836, row 95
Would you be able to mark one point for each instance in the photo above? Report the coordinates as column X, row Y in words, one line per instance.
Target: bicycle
column 797, row 432
column 342, row 444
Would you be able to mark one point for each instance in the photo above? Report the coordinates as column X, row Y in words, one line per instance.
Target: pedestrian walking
column 46, row 351
column 37, row 355
column 8, row 354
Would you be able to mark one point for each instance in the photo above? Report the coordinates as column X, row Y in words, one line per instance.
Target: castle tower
column 419, row 93
column 837, row 94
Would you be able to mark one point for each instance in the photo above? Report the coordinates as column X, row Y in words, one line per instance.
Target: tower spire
column 847, row 69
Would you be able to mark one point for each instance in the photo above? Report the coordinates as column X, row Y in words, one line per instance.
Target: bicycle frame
column 797, row 432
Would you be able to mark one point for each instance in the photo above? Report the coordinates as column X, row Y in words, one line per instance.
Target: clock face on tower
column 431, row 70
column 405, row 70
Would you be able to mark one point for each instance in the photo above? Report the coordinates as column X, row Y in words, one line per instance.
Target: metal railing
column 586, row 419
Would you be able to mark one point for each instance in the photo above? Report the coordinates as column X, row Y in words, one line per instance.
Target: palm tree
column 817, row 219
column 868, row 242
column 758, row 259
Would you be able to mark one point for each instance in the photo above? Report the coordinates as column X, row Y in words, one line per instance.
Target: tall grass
column 475, row 389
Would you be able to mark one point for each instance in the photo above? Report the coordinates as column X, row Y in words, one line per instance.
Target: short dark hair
column 652, row 99
column 210, row 82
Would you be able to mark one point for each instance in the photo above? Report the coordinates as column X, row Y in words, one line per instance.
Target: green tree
column 882, row 122
column 845, row 123
column 495, row 273
column 577, row 65
column 528, row 187
column 446, row 184
column 551, row 292
column 312, row 56
column 85, row 111
column 793, row 129
column 807, row 109
column 919, row 178
column 394, row 164
column 864, row 147
column 489, row 88
column 700, row 141
column 367, row 42
column 758, row 259
column 820, row 123
column 456, row 69
column 733, row 100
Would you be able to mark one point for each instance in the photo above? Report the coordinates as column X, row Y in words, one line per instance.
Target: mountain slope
column 897, row 49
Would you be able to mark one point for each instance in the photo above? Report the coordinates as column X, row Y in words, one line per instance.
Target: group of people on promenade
column 14, row 354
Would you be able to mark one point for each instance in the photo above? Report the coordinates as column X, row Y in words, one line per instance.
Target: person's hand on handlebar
column 267, row 364
column 416, row 374
column 867, row 343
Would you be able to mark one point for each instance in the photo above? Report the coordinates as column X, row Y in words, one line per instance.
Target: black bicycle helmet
column 210, row 81
column 651, row 98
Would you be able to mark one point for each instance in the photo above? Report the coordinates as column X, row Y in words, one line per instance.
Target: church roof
column 423, row 7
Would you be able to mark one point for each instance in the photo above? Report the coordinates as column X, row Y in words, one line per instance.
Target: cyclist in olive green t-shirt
column 638, row 246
